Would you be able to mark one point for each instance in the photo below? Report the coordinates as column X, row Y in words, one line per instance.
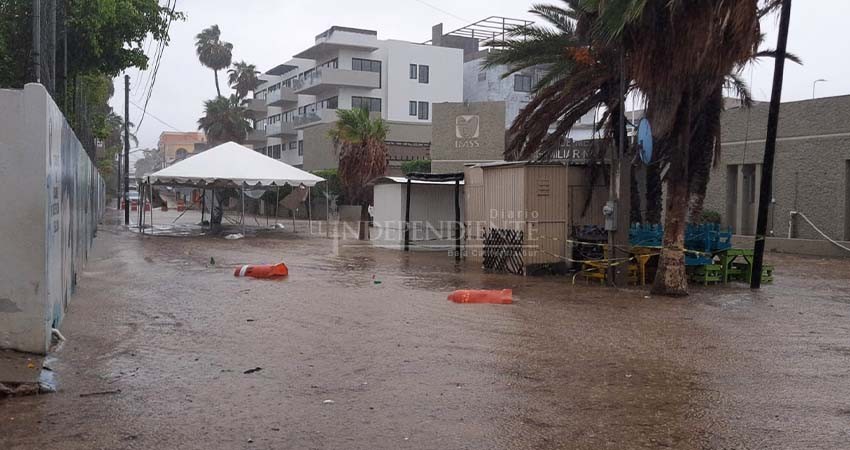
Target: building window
column 412, row 108
column 275, row 151
column 300, row 148
column 293, row 145
column 414, row 72
column 424, row 74
column 423, row 110
column 522, row 83
column 367, row 65
column 370, row 104
column 332, row 64
column 287, row 116
column 328, row 103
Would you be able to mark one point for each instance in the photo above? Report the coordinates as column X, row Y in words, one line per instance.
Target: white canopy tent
column 231, row 165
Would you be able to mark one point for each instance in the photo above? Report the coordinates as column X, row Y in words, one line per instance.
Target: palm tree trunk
column 217, row 89
column 672, row 278
column 635, row 212
column 653, row 194
column 364, row 222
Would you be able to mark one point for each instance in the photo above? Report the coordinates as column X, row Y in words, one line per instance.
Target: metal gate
column 503, row 250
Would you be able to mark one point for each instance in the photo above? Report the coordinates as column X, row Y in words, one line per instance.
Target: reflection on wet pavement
column 566, row 366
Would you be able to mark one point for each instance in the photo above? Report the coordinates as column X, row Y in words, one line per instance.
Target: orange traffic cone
column 503, row 297
column 262, row 271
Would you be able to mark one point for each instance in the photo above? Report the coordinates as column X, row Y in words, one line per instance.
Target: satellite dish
column 644, row 136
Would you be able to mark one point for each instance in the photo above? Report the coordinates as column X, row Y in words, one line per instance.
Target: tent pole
column 457, row 220
column 407, row 219
column 243, row 208
column 327, row 212
column 151, row 194
column 203, row 206
column 309, row 210
column 142, row 205
column 276, row 206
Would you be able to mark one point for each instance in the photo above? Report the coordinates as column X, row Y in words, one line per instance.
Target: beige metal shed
column 542, row 200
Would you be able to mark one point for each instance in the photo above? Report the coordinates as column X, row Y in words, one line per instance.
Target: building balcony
column 313, row 118
column 256, row 106
column 256, row 137
column 326, row 79
column 280, row 130
column 281, row 97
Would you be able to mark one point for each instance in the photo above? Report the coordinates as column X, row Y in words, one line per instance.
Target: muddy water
column 167, row 337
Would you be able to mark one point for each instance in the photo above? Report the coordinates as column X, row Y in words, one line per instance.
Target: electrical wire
column 162, row 45
column 437, row 8
column 146, row 113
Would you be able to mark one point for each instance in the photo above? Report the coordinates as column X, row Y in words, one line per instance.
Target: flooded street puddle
column 197, row 358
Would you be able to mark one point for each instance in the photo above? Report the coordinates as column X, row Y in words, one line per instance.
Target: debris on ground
column 328, row 402
column 262, row 271
column 234, row 236
column 255, row 369
column 502, row 297
column 212, row 261
column 99, row 393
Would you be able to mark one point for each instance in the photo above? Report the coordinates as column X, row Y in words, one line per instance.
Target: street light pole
column 814, row 85
column 770, row 145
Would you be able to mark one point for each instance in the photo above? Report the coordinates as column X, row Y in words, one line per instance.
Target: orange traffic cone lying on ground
column 503, row 297
column 262, row 271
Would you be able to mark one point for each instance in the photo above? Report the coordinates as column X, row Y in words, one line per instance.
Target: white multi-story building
column 349, row 68
column 490, row 84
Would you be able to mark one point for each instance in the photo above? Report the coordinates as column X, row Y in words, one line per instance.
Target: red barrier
column 503, row 297
column 262, row 271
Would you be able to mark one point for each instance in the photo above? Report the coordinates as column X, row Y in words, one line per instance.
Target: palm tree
column 680, row 54
column 360, row 141
column 224, row 120
column 213, row 52
column 581, row 73
column 242, row 77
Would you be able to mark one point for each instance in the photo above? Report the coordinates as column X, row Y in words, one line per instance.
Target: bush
column 417, row 166
column 709, row 216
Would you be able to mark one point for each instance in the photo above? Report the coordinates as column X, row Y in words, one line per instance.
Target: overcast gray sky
column 268, row 32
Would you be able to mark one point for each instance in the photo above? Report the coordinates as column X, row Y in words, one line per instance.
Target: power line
column 145, row 113
column 437, row 8
column 162, row 45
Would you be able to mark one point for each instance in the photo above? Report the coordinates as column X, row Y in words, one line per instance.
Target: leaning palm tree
column 360, row 141
column 680, row 54
column 242, row 77
column 224, row 120
column 213, row 52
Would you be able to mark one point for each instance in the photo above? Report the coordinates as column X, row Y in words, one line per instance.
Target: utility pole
column 36, row 41
column 126, row 150
column 617, row 275
column 770, row 145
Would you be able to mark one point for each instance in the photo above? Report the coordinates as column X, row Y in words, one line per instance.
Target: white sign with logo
column 467, row 131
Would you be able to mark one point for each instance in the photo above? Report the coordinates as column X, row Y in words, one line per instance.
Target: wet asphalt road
column 572, row 367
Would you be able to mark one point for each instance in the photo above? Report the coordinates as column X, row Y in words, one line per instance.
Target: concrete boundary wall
column 53, row 199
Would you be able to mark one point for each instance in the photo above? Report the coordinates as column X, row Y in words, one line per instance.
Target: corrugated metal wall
column 475, row 211
column 547, row 202
column 578, row 180
column 544, row 202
